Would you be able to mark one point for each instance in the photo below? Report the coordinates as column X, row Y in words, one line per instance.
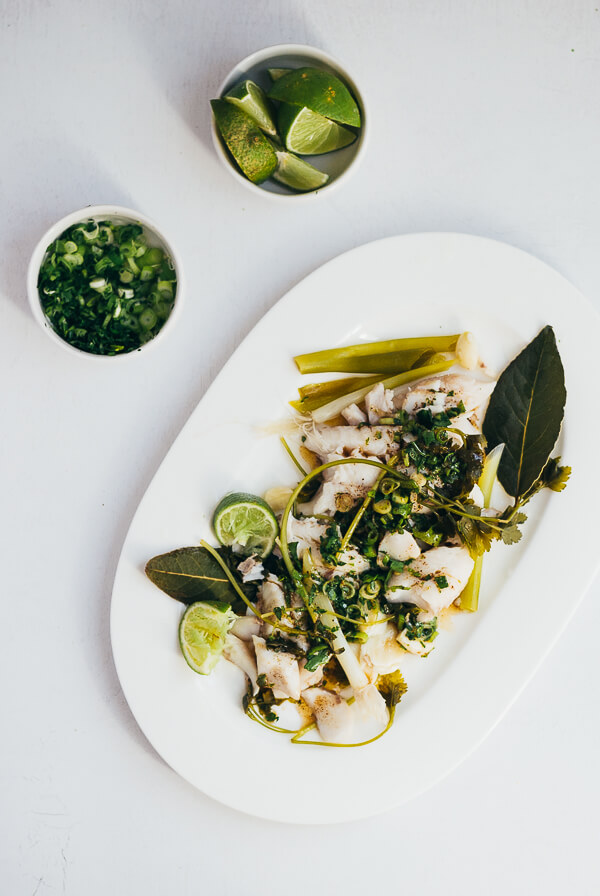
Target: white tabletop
column 484, row 120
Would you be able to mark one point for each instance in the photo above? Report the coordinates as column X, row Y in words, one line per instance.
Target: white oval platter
column 401, row 286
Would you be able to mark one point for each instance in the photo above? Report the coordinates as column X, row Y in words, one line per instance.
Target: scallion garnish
column 81, row 287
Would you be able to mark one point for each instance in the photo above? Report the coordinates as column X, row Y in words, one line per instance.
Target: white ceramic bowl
column 118, row 215
column 341, row 164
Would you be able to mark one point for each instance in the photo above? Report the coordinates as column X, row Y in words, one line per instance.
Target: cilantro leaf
column 317, row 656
column 392, row 688
column 330, row 544
column 475, row 533
column 555, row 476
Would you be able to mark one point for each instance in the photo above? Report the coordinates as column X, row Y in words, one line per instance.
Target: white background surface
column 484, row 119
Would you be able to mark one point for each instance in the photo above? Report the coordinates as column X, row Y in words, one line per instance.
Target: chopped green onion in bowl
column 106, row 283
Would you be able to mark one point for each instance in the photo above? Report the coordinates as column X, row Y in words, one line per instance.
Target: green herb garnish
column 103, row 289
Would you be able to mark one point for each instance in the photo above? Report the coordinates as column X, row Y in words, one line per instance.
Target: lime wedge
column 276, row 73
column 252, row 100
column 319, row 91
column 309, row 133
column 246, row 521
column 202, row 633
column 298, row 174
column 246, row 142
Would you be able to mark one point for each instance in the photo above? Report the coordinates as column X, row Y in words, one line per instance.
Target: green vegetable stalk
column 374, row 357
column 469, row 599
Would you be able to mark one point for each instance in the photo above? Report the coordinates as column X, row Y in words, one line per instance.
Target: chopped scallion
column 103, row 289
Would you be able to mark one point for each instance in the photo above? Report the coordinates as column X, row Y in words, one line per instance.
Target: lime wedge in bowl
column 245, row 520
column 247, row 144
column 276, row 73
column 298, row 174
column 309, row 133
column 319, row 91
column 202, row 633
column 252, row 100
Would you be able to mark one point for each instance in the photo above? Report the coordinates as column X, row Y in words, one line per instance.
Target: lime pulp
column 276, row 73
column 298, row 174
column 252, row 100
column 246, row 521
column 202, row 632
column 309, row 133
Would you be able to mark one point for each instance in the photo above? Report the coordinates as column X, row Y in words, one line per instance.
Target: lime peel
column 319, row 91
column 247, row 144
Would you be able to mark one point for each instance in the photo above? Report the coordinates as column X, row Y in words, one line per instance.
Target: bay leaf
column 526, row 411
column 190, row 574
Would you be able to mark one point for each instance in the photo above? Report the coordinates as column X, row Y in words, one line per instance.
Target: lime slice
column 202, row 633
column 246, row 520
column 246, row 142
column 298, row 174
column 276, row 73
column 309, row 133
column 252, row 100
column 319, row 91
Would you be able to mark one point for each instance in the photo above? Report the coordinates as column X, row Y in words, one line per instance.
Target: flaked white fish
column 381, row 654
column 246, row 626
column 379, row 402
column 443, row 392
column 280, row 669
column 332, row 713
column 399, row 546
column 309, row 679
column 416, row 583
column 352, row 481
column 251, row 569
column 307, row 532
column 270, row 598
column 370, row 441
column 353, row 415
column 341, row 722
column 242, row 655
column 350, row 562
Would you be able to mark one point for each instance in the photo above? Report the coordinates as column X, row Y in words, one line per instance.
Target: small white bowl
column 339, row 164
column 118, row 215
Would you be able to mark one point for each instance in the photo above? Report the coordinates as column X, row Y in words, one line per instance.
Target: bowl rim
column 260, row 56
column 84, row 214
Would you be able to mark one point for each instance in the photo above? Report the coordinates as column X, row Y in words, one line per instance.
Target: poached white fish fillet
column 439, row 393
column 241, row 654
column 307, row 532
column 370, row 441
column 280, row 669
column 346, row 481
column 379, row 403
column 341, row 722
column 399, row 546
column 416, row 584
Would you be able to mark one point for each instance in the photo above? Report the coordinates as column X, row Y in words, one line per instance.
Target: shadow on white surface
column 188, row 61
column 38, row 191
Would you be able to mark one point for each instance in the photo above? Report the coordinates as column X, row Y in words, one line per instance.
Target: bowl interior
column 255, row 68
